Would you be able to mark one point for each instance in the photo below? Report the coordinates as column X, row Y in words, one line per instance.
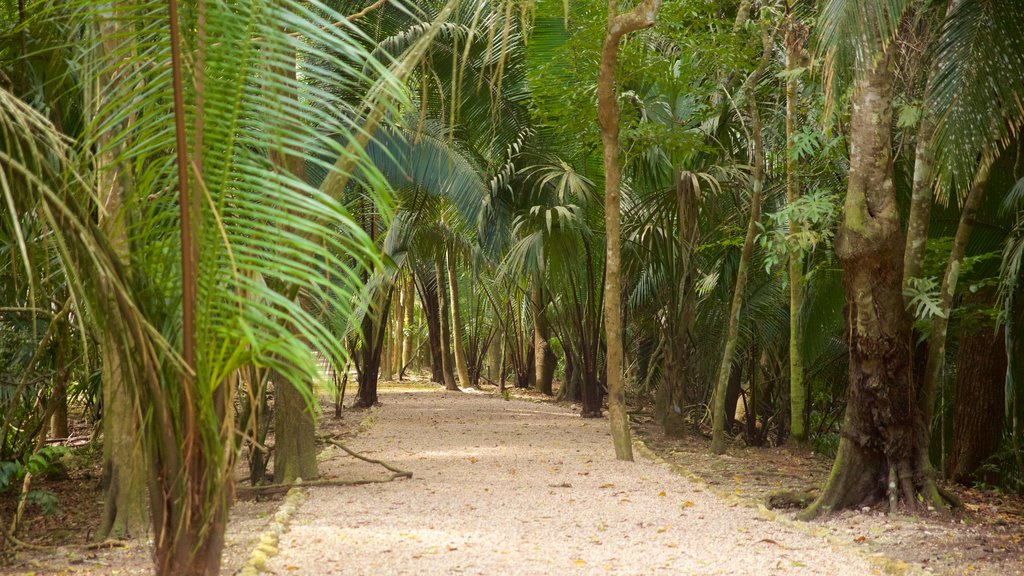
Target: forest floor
column 986, row 537
column 527, row 487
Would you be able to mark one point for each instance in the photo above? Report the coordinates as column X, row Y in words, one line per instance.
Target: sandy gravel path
column 512, row 487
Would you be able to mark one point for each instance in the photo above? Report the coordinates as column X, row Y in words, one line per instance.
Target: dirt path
column 512, row 487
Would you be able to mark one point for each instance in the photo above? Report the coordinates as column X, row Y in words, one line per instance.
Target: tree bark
column 458, row 345
column 374, row 327
column 432, row 310
column 718, row 431
column 544, row 359
column 882, row 424
column 125, row 514
column 294, row 434
column 940, row 323
column 295, row 421
column 921, row 200
column 442, row 313
column 979, row 399
column 798, row 391
column 640, row 17
column 408, row 325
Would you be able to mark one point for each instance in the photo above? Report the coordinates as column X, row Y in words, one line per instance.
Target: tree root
column 790, row 499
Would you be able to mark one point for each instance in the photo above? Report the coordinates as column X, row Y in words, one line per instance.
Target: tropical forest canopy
column 762, row 222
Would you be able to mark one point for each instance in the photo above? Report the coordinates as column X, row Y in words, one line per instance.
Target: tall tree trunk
column 442, row 312
column 979, row 399
column 458, row 339
column 432, row 311
column 719, row 422
column 374, row 328
column 294, row 417
column 640, row 17
column 675, row 388
column 544, row 359
column 940, row 322
column 882, row 424
column 798, row 390
column 125, row 514
column 921, row 200
column 408, row 325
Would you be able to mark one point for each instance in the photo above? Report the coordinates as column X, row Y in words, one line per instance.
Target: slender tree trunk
column 940, row 323
column 442, row 312
column 59, row 419
column 882, row 425
column 544, row 359
column 458, row 338
column 921, row 200
column 718, row 431
column 431, row 307
column 408, row 325
column 374, row 327
column 640, row 17
column 798, row 391
column 979, row 398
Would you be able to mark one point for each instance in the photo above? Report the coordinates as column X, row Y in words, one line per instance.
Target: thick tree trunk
column 443, row 333
column 494, row 357
column 294, row 434
column 979, row 400
column 882, row 425
column 719, row 421
column 125, row 514
column 640, row 17
column 544, row 359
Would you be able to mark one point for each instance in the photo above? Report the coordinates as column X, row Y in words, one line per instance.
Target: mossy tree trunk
column 882, row 426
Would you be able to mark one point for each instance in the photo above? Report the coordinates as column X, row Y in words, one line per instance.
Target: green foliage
column 799, row 228
column 925, row 300
column 44, row 460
